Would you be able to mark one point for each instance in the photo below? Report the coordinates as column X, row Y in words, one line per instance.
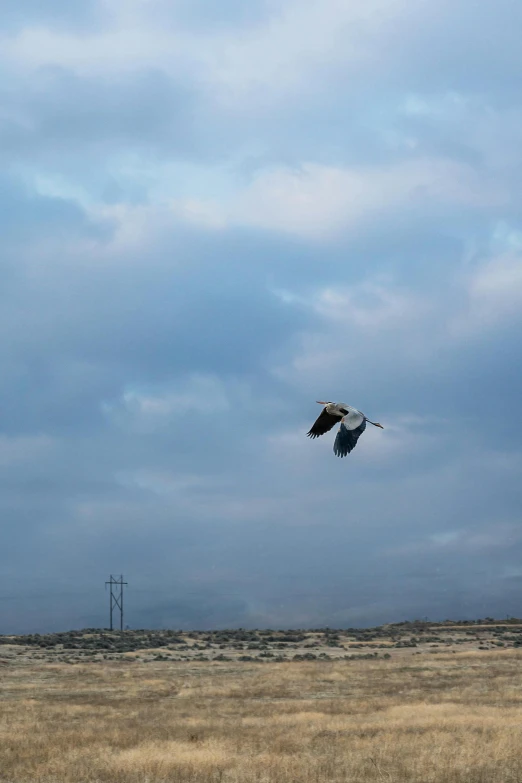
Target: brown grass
column 452, row 717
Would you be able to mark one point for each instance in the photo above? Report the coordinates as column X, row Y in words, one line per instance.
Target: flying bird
column 352, row 425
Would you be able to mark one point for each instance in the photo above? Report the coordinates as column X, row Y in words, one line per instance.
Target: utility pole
column 116, row 597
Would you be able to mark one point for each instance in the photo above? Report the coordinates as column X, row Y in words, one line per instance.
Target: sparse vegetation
column 93, row 644
column 445, row 717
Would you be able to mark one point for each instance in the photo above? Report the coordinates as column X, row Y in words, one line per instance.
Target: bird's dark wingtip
column 344, row 442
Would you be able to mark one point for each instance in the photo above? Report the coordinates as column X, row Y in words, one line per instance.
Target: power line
column 116, row 598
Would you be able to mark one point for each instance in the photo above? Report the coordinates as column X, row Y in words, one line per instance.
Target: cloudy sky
column 213, row 214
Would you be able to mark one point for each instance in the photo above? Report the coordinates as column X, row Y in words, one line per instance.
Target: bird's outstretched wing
column 346, row 439
column 354, row 419
column 324, row 423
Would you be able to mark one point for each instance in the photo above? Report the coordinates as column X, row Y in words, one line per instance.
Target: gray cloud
column 60, row 120
column 169, row 318
column 84, row 15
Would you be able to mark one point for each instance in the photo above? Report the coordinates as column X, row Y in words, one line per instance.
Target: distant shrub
column 292, row 637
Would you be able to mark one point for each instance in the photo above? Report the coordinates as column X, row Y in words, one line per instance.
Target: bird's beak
column 320, row 403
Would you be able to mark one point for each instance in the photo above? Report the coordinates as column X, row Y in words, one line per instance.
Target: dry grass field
column 429, row 717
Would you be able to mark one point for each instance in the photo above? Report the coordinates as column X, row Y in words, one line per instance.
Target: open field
column 452, row 716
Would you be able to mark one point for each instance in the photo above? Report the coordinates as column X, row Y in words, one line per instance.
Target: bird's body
column 352, row 425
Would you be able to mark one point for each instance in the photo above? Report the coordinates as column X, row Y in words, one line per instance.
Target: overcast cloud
column 211, row 215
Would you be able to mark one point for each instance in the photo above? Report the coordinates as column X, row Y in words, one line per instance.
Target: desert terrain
column 409, row 702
